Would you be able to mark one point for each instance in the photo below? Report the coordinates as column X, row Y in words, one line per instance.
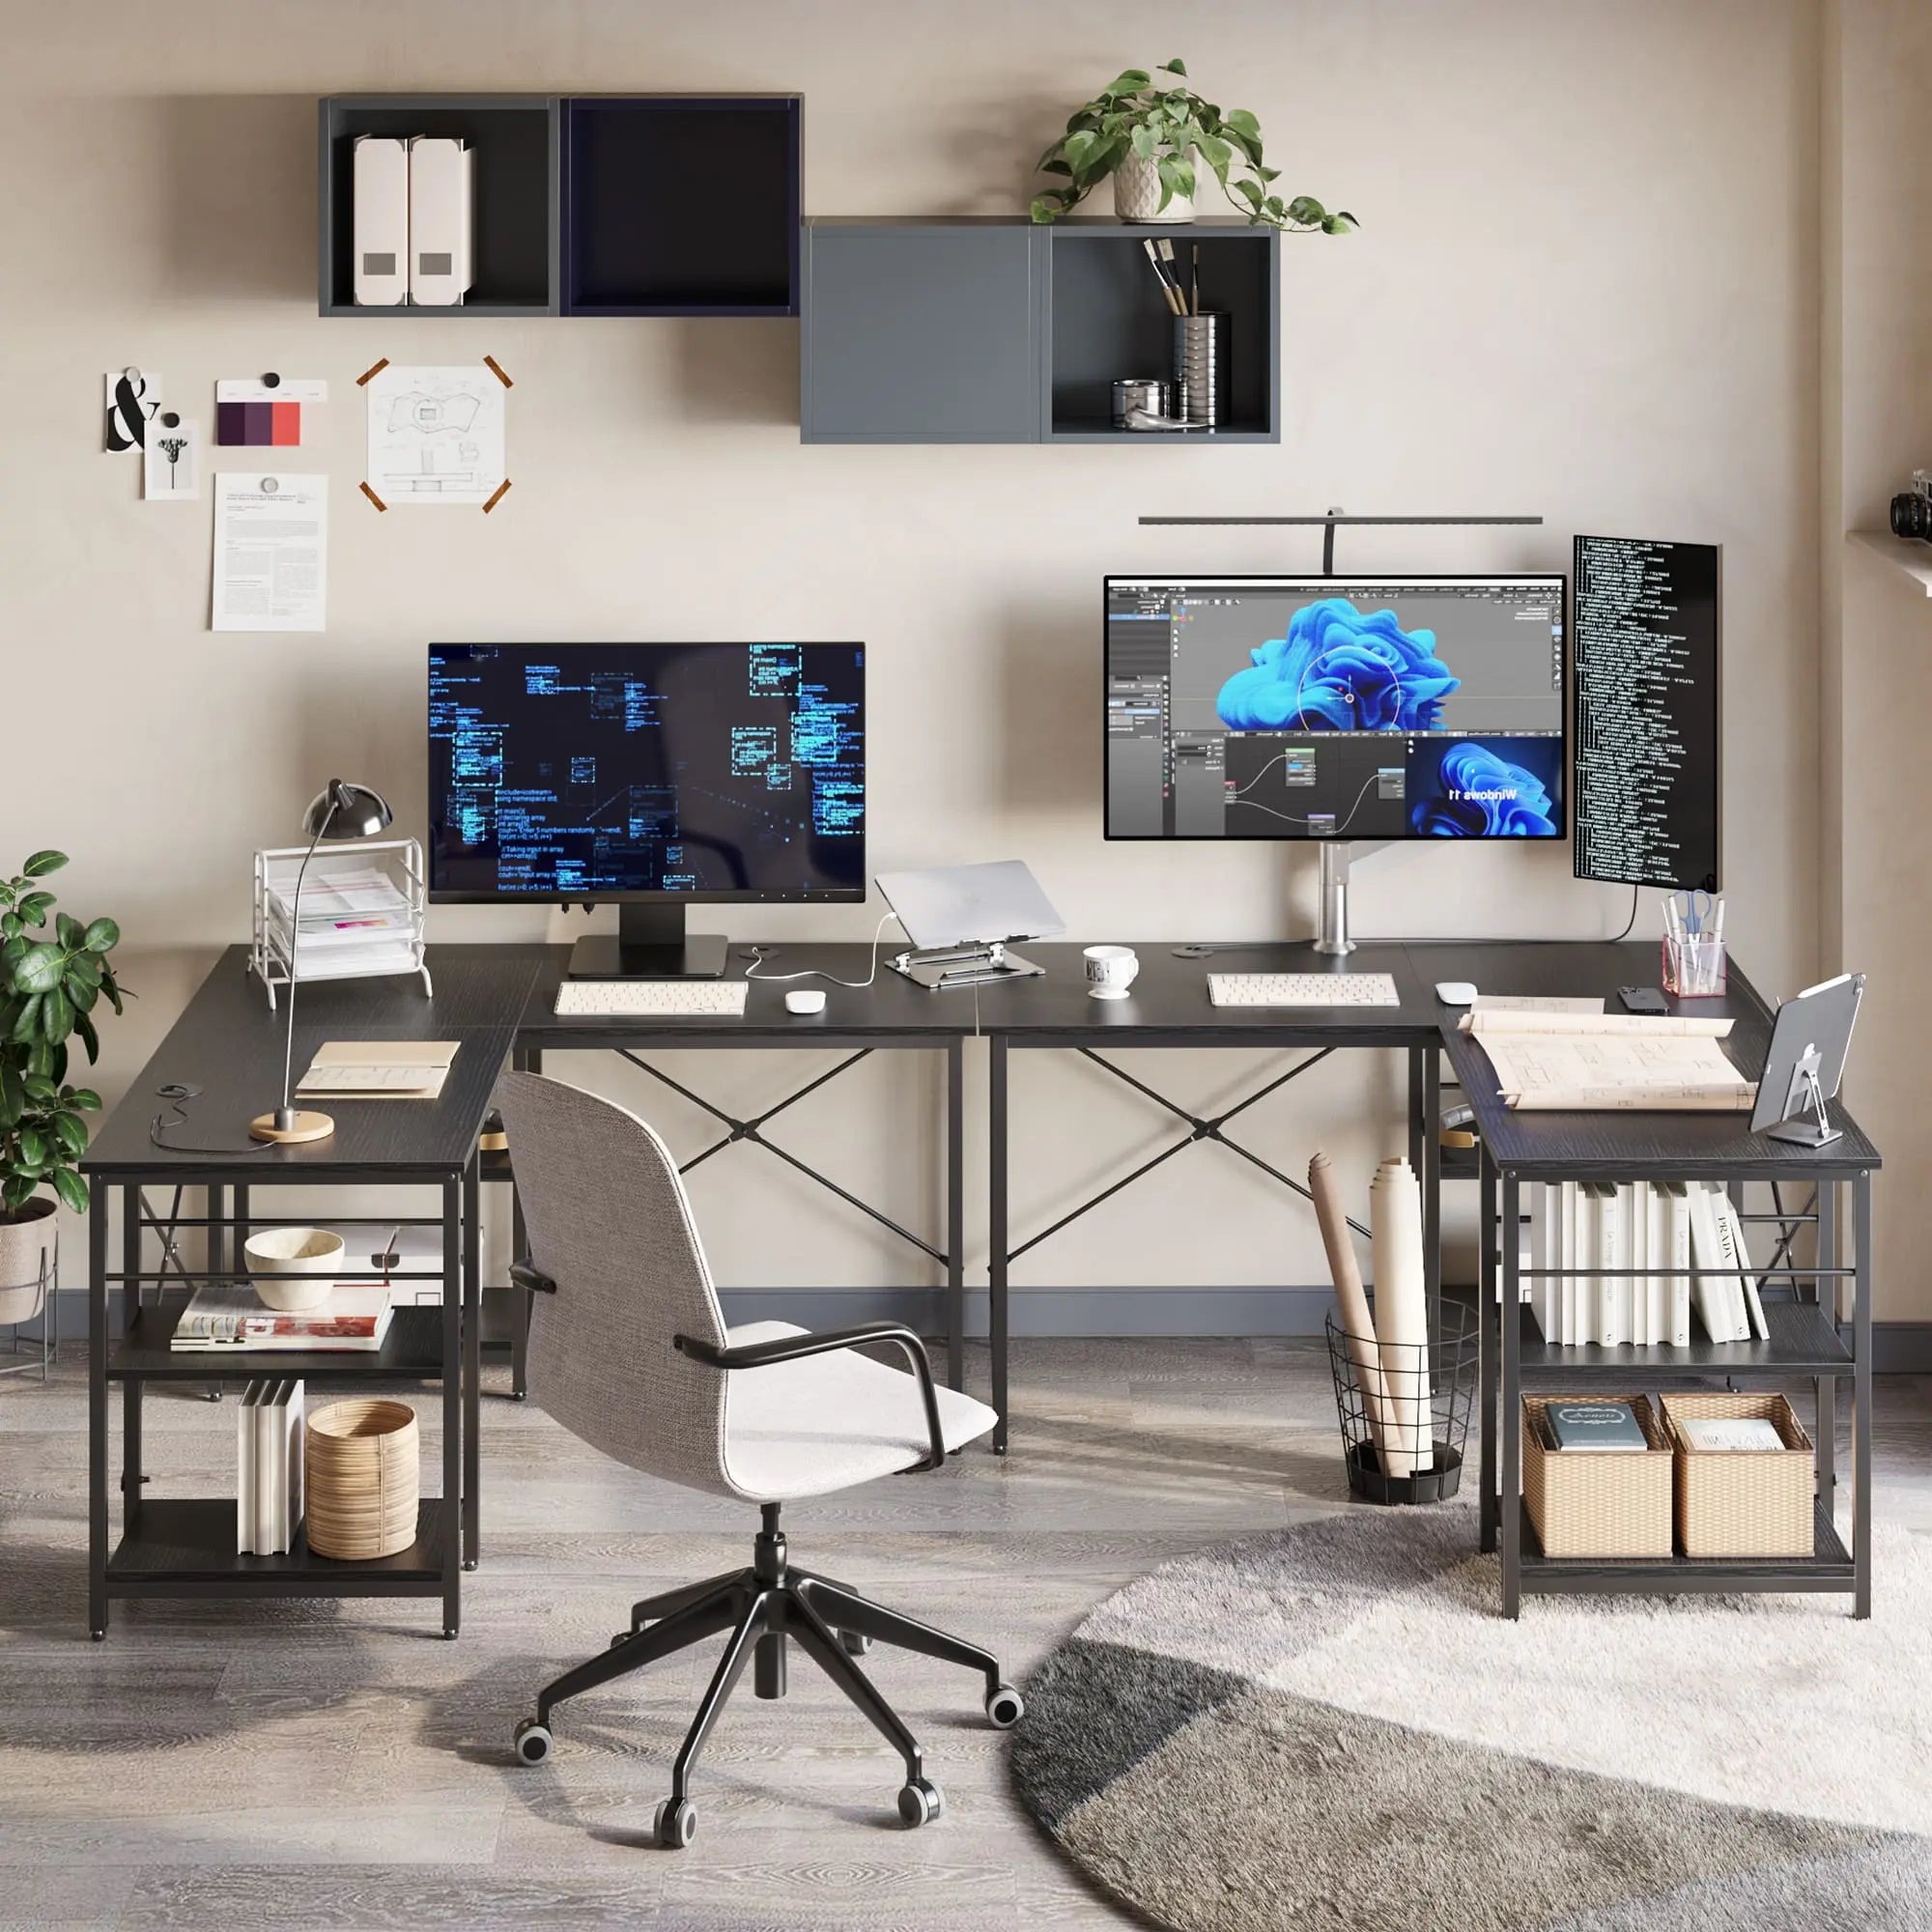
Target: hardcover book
column 231, row 1316
column 1594, row 1425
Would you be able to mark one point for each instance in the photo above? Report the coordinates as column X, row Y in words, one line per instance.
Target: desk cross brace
column 1200, row 1128
column 750, row 1130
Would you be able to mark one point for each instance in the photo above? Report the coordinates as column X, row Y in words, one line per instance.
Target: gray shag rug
column 1332, row 1727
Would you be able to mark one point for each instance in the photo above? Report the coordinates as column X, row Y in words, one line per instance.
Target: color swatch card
column 263, row 414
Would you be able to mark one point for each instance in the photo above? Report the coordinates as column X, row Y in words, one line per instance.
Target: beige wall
column 1878, row 621
column 1586, row 286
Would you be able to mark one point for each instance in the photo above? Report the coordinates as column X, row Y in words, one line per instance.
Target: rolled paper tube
column 1401, row 1315
column 1351, row 1302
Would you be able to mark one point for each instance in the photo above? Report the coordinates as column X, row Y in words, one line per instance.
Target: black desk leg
column 955, row 1212
column 1487, row 1341
column 130, row 1309
column 1826, row 1435
column 1510, row 1319
column 527, row 1060
column 996, row 1233
column 1861, row 1394
column 1416, row 1126
column 217, row 1237
column 472, row 1366
column 450, row 1509
column 1432, row 1183
column 97, row 1409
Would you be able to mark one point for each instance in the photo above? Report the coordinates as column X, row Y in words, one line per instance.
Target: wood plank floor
column 338, row 1765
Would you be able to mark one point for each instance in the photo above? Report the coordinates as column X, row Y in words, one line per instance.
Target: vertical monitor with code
column 1648, row 632
column 597, row 772
column 1335, row 707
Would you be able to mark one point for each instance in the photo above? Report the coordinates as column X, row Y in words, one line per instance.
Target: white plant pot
column 26, row 1257
column 1137, row 193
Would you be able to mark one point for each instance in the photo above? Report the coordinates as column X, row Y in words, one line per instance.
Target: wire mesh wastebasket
column 1404, row 1409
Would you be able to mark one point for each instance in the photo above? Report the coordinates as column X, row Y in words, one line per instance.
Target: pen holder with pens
column 1693, row 965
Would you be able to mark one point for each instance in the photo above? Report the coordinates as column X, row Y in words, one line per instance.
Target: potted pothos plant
column 52, row 980
column 1145, row 130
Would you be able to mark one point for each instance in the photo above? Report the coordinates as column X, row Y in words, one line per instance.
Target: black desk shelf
column 411, row 1351
column 1802, row 1343
column 175, row 1547
column 1829, row 1566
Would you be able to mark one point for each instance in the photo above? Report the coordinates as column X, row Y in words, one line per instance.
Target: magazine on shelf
column 228, row 1316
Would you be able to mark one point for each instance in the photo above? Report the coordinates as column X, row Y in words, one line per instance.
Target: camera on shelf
column 1912, row 509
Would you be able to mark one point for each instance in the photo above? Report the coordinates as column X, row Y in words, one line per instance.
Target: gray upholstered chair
column 628, row 1349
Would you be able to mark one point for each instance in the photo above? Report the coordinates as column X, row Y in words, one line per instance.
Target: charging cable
column 761, row 953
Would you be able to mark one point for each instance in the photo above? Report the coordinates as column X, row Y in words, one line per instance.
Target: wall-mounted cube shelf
column 683, row 205
column 997, row 330
column 514, row 136
column 680, row 206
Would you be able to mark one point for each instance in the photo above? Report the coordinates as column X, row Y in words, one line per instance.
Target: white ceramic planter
column 1137, row 193
column 26, row 1253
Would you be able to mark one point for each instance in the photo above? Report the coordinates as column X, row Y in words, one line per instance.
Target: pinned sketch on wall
column 171, row 463
column 132, row 396
column 265, row 412
column 271, row 551
column 437, row 434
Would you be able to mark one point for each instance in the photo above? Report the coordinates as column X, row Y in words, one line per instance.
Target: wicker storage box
column 1751, row 1502
column 1596, row 1502
column 360, row 1479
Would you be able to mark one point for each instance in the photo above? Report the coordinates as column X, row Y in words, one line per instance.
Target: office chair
column 628, row 1349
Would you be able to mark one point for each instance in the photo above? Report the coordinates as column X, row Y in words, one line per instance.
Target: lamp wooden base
column 308, row 1128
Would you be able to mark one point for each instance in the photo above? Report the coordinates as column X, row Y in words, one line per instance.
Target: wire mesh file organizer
column 32, row 1300
column 1405, row 1407
column 362, row 909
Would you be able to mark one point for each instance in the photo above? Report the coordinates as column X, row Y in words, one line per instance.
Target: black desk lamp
column 339, row 810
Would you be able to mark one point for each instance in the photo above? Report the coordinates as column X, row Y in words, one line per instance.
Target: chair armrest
column 526, row 1275
column 797, row 1347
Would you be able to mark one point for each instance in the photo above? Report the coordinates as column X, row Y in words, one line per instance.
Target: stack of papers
column 378, row 1070
column 355, row 920
column 1561, row 1060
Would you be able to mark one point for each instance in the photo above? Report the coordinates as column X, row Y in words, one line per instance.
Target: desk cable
column 760, row 954
column 178, row 1093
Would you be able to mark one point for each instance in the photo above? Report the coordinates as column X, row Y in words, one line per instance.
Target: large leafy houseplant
column 52, row 980
column 1160, row 119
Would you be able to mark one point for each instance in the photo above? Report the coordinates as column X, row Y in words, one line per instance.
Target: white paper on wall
column 130, row 397
column 271, row 551
column 171, row 464
column 435, row 434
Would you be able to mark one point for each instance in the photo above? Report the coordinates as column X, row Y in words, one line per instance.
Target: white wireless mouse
column 1456, row 992
column 805, row 1003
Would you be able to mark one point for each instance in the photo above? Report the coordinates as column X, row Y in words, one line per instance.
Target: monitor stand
column 1331, row 918
column 650, row 944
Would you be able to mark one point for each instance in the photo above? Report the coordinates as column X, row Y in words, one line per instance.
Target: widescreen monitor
column 1368, row 707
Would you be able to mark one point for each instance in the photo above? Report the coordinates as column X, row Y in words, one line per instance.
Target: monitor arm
column 1331, row 915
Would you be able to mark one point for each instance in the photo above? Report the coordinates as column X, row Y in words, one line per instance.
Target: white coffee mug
column 1110, row 971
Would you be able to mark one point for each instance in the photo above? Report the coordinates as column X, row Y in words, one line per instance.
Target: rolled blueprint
column 1401, row 1315
column 1351, row 1301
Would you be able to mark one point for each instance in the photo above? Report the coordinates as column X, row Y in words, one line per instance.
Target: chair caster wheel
column 676, row 1824
column 1005, row 1707
column 921, row 1802
column 854, row 1643
column 534, row 1742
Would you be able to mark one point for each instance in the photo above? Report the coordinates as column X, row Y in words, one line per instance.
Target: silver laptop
column 962, row 919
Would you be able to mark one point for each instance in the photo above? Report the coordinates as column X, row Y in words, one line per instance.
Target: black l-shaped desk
column 500, row 1003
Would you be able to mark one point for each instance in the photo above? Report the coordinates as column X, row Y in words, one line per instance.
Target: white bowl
column 294, row 1269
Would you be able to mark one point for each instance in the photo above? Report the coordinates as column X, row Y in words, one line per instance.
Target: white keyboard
column 1302, row 989
column 624, row 999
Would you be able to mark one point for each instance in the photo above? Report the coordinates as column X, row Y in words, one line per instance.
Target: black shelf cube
column 681, row 205
column 1109, row 319
column 513, row 137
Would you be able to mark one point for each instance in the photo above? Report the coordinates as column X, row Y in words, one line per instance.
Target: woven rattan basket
column 1596, row 1502
column 1752, row 1502
column 360, row 1479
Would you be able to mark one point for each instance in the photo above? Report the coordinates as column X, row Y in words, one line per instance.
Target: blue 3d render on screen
column 1335, row 707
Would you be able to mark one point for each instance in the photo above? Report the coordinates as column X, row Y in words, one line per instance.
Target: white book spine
column 1732, row 1230
column 1585, row 1305
column 1657, row 1256
column 1714, row 1300
column 1566, row 1241
column 439, row 216
column 264, row 1465
column 1613, row 1256
column 1678, row 1205
column 294, row 1435
column 244, row 1469
column 1546, row 1209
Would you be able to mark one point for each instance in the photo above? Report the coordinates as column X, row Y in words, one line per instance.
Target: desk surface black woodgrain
column 229, row 1045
